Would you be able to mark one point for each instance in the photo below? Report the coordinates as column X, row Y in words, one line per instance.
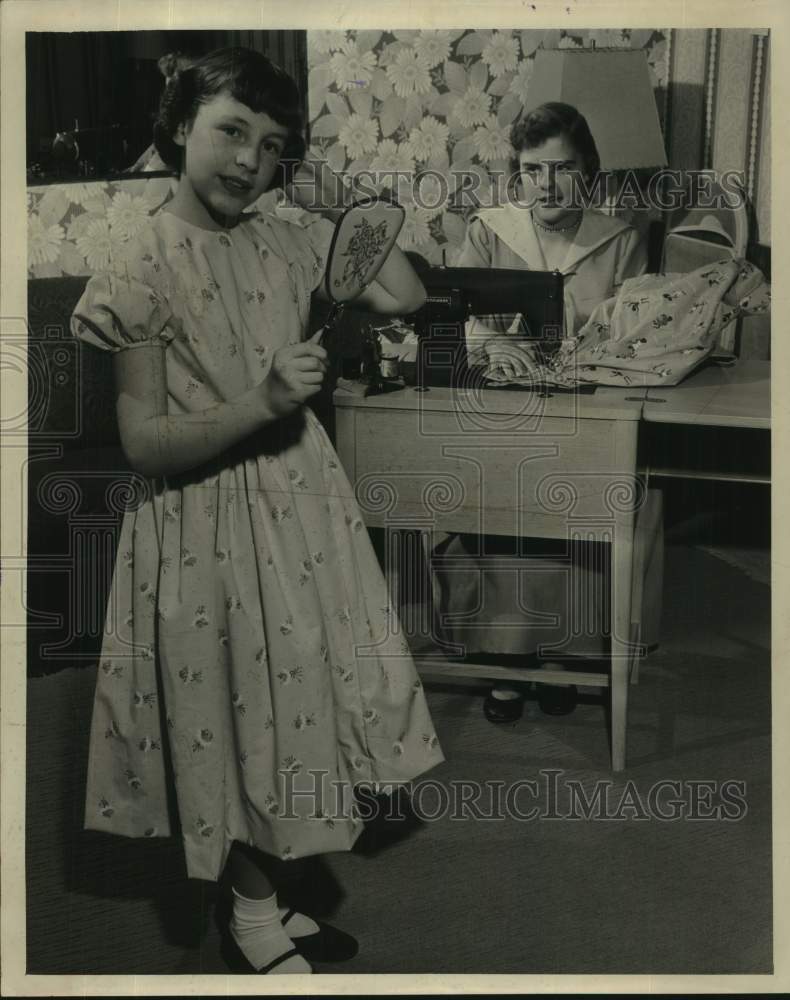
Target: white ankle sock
column 256, row 929
column 502, row 692
column 299, row 925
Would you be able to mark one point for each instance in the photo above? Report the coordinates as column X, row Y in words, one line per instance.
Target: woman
column 517, row 611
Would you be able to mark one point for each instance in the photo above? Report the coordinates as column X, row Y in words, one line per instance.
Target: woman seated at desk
column 547, row 230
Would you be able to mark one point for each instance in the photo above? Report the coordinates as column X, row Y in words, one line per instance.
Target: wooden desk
column 507, row 463
column 712, row 426
column 716, row 396
column 512, row 463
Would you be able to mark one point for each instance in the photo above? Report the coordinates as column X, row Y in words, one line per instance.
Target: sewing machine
column 458, row 294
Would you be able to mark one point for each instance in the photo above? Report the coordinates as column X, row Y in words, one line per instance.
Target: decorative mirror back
column 364, row 236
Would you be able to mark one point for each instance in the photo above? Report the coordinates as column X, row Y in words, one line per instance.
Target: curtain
column 110, row 78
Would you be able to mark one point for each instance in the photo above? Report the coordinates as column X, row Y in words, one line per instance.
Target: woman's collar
column 513, row 224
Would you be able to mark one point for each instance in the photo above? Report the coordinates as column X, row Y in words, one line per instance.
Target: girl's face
column 546, row 172
column 230, row 156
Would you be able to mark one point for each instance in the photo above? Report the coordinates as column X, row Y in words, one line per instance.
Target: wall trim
column 711, row 81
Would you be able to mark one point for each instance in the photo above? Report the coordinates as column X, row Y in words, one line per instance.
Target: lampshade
column 613, row 90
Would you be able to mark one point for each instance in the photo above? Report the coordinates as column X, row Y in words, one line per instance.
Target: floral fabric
column 250, row 637
column 658, row 328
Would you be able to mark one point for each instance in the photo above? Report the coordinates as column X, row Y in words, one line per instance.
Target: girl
column 548, row 230
column 251, row 648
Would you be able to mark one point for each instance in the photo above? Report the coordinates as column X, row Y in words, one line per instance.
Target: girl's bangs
column 276, row 97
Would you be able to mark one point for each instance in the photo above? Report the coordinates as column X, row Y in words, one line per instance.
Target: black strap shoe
column 503, row 709
column 327, row 944
column 554, row 699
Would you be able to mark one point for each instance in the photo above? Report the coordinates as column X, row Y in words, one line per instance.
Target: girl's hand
column 297, row 372
column 317, row 188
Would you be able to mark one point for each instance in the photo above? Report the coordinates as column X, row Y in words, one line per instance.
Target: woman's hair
column 556, row 119
column 248, row 77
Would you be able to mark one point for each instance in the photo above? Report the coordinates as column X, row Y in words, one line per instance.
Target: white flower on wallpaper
column 82, row 227
column 327, row 40
column 428, row 141
column 429, row 193
column 473, row 107
column 657, row 62
column 359, row 135
column 609, row 38
column 100, row 245
column 392, row 157
column 432, row 194
column 409, row 74
column 500, row 53
column 519, row 85
column 433, row 47
column 437, row 105
column 416, row 231
column 351, row 67
column 128, row 215
column 78, row 194
column 492, row 141
column 43, row 242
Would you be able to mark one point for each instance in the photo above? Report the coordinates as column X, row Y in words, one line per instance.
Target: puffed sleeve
column 118, row 312
column 632, row 257
column 476, row 249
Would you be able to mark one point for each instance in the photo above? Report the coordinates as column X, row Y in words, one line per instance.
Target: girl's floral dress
column 251, row 649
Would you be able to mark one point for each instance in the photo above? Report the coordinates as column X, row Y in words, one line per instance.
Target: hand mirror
column 364, row 235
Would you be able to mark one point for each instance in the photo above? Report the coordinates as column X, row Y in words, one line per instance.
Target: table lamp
column 613, row 90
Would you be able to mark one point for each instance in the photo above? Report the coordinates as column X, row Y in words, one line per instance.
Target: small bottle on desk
column 371, row 361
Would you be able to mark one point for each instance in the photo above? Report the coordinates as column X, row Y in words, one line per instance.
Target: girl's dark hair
column 172, row 63
column 553, row 119
column 249, row 77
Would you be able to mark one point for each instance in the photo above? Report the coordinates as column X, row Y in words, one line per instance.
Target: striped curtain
column 719, row 113
column 286, row 48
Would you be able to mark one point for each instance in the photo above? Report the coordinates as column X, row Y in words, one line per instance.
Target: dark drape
column 71, row 78
column 102, row 79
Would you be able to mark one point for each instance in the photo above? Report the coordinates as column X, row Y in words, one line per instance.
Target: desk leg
column 622, row 575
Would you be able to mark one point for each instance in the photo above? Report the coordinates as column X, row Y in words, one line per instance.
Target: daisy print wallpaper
column 436, row 106
column 75, row 229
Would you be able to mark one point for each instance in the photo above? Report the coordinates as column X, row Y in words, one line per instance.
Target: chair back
column 710, row 225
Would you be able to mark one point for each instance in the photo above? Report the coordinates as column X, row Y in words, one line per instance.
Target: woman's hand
column 297, row 372
column 318, row 189
column 510, row 359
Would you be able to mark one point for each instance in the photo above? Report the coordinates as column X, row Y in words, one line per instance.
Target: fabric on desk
column 658, row 328
column 654, row 331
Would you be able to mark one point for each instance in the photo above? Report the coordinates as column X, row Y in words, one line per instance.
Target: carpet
column 618, row 892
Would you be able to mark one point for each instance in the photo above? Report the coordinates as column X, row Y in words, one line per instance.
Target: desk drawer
column 410, row 467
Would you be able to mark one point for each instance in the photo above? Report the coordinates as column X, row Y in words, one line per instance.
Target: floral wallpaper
column 74, row 229
column 421, row 102
column 428, row 103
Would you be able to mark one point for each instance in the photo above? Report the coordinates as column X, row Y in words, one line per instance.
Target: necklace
column 557, row 229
